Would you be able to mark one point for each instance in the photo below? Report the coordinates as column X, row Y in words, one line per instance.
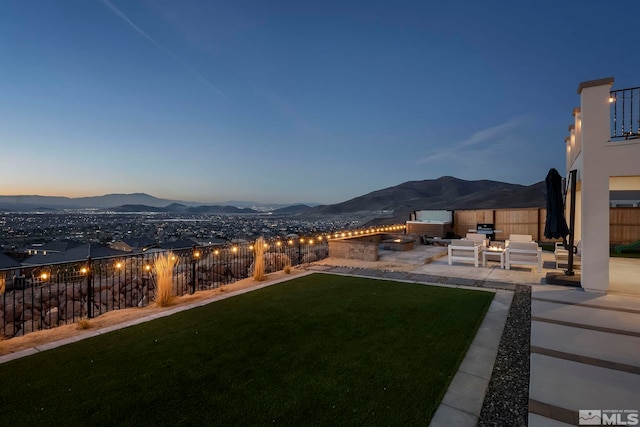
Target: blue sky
column 293, row 101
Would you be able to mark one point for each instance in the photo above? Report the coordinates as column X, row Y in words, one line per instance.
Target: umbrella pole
column 572, row 220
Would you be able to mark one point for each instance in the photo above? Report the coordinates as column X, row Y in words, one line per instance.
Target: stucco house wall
column 601, row 164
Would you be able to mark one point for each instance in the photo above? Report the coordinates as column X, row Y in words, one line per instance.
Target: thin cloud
column 487, row 136
column 186, row 66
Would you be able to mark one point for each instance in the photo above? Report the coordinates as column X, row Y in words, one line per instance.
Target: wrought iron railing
column 36, row 297
column 625, row 113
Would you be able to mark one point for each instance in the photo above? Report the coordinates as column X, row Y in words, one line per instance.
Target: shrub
column 258, row 266
column 272, row 262
column 83, row 323
column 163, row 268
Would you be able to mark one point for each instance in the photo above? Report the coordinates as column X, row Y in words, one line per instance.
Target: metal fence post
column 89, row 288
column 193, row 270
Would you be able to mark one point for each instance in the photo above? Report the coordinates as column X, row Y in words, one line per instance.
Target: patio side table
column 493, row 253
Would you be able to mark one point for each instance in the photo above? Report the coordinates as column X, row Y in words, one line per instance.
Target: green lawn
column 316, row 350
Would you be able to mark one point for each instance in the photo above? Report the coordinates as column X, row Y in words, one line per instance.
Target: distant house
column 137, row 244
column 213, row 241
column 625, row 199
column 75, row 254
column 178, row 244
column 55, row 246
column 6, row 262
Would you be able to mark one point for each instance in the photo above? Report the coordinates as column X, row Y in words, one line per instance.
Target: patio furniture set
column 519, row 249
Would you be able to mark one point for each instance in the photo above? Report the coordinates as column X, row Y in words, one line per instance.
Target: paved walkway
column 585, row 354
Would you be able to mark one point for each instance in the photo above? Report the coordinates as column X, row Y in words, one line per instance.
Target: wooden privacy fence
column 506, row 221
column 624, row 223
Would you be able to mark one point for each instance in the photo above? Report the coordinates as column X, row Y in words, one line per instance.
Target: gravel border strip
column 507, row 400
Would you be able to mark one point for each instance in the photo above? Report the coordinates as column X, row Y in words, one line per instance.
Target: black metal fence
column 45, row 296
column 625, row 113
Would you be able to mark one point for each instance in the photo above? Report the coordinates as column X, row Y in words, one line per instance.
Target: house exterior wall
column 598, row 159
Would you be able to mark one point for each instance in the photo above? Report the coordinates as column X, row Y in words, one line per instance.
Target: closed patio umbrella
column 556, row 226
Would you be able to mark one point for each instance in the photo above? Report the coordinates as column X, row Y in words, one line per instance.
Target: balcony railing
column 625, row 113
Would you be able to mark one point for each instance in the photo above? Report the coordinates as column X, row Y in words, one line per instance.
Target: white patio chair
column 464, row 250
column 523, row 253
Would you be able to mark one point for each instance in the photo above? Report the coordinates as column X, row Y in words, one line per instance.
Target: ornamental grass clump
column 258, row 266
column 163, row 268
column 83, row 323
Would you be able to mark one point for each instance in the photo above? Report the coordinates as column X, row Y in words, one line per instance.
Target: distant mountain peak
column 446, row 192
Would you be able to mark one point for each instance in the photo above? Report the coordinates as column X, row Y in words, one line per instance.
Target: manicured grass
column 317, row 350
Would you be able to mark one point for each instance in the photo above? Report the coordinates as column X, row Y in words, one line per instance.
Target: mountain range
column 445, row 193
column 397, row 202
column 127, row 203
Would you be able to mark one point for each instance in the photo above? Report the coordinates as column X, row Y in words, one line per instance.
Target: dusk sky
column 295, row 101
